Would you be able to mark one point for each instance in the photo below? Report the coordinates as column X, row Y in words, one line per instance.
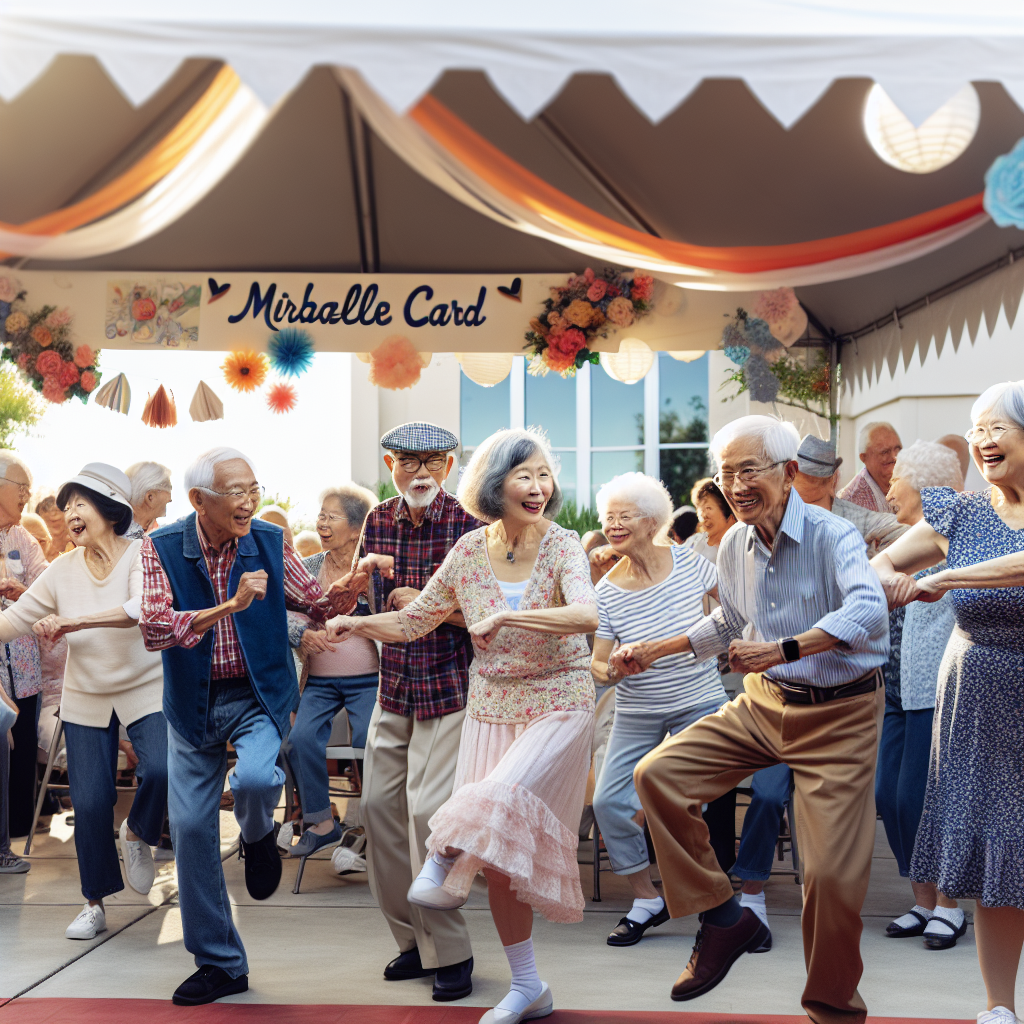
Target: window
column 682, row 424
column 482, row 411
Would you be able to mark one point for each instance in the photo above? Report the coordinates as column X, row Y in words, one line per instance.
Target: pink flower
column 84, row 356
column 48, row 363
column 59, row 318
column 68, row 374
column 88, row 380
column 52, row 390
column 596, row 291
column 8, row 290
column 773, row 307
column 643, row 288
column 588, row 276
column 23, row 360
column 620, row 311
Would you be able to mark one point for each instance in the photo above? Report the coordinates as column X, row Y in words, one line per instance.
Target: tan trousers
column 831, row 749
column 408, row 771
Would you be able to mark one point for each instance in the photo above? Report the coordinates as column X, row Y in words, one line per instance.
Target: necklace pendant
column 510, row 556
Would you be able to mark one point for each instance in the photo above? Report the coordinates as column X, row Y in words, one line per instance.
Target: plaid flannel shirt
column 430, row 676
column 163, row 626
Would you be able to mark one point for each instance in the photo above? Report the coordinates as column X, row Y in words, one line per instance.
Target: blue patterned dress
column 971, row 839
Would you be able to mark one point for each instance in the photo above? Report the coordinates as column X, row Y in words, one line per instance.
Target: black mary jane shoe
column 946, row 940
column 407, row 966
column 206, row 985
column 629, row 933
column 262, row 866
column 453, row 982
column 894, row 931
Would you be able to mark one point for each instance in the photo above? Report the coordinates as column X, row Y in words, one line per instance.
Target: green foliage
column 800, row 386
column 681, row 468
column 385, row 489
column 275, row 499
column 581, row 520
column 20, row 406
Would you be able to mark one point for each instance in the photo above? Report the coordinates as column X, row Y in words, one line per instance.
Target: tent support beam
column 361, row 161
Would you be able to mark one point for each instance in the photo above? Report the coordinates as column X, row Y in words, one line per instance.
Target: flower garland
column 40, row 344
column 586, row 307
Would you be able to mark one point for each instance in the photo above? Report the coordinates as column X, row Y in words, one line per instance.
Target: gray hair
column 779, row 439
column 480, row 489
column 864, row 436
column 649, row 495
column 8, row 459
column 146, row 477
column 200, row 473
column 355, row 502
column 929, row 464
column 1005, row 399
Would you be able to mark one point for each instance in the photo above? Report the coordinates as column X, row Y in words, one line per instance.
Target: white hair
column 355, row 502
column 146, row 477
column 200, row 473
column 929, row 464
column 864, row 437
column 1005, row 399
column 779, row 439
column 649, row 495
column 8, row 459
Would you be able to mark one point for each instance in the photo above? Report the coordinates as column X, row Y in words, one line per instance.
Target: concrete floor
column 329, row 943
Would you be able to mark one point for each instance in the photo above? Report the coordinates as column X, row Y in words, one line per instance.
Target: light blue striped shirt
column 816, row 574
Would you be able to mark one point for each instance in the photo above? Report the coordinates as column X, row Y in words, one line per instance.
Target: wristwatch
column 790, row 649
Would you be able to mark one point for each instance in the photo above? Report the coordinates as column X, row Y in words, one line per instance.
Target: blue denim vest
column 262, row 628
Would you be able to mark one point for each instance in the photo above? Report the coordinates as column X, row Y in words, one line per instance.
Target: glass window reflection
column 551, row 405
column 616, row 411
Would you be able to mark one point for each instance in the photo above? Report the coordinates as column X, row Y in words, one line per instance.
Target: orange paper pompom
column 245, row 371
column 160, row 410
column 281, row 397
column 395, row 364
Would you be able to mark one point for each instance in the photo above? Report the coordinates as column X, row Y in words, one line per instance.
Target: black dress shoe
column 206, row 985
column 262, row 866
column 406, row 966
column 895, row 931
column 453, row 982
column 629, row 933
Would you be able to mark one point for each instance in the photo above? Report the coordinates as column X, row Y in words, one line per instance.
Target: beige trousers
column 408, row 771
column 831, row 749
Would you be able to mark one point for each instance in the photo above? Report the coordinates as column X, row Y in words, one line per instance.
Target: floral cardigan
column 523, row 674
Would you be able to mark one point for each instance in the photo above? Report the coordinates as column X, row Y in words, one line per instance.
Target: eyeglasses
column 330, row 517
column 253, row 494
column 746, row 476
column 412, row 463
column 623, row 520
column 994, row 433
column 23, row 489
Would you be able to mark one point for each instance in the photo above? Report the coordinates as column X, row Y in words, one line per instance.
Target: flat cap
column 419, row 437
column 816, row 457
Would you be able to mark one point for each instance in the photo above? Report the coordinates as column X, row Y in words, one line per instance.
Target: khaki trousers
column 831, row 749
column 408, row 771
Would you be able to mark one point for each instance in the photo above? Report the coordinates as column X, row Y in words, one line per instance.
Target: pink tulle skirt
column 516, row 806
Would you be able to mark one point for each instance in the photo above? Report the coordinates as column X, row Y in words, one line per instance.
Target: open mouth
column 242, row 518
column 76, row 529
column 992, row 458
column 533, row 507
column 746, row 504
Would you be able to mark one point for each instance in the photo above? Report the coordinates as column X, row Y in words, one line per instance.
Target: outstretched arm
column 919, row 548
column 53, row 627
column 385, row 627
column 570, row 618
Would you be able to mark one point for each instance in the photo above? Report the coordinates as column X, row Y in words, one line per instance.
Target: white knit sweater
column 107, row 669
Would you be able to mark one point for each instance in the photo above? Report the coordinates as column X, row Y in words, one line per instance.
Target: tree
column 20, row 406
column 681, row 468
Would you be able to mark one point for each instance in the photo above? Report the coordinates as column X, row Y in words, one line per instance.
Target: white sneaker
column 540, row 1007
column 1000, row 1015
column 138, row 861
column 427, row 887
column 89, row 923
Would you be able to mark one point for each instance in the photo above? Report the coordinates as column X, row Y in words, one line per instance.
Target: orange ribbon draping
column 519, row 185
column 146, row 171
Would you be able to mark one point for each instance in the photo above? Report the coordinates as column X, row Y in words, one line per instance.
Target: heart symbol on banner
column 512, row 292
column 217, row 291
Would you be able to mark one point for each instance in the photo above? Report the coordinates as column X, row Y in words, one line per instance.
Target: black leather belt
column 800, row 693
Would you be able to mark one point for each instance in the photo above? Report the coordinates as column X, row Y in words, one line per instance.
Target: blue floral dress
column 971, row 839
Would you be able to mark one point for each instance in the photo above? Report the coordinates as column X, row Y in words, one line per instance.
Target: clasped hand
column 344, row 593
column 632, row 659
column 753, row 656
column 484, row 631
column 902, row 590
column 53, row 627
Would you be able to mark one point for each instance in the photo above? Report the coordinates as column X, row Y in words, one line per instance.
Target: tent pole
column 834, row 343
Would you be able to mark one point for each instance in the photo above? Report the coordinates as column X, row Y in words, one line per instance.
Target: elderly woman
column 151, row 493
column 523, row 584
column 51, row 514
column 656, row 590
column 92, row 595
column 907, row 728
column 715, row 517
column 969, row 842
column 339, row 675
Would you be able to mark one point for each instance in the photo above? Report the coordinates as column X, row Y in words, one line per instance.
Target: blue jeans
column 322, row 699
column 92, row 777
column 902, row 775
column 615, row 799
column 196, row 784
column 761, row 823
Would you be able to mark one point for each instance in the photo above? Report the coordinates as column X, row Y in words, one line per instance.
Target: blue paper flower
column 763, row 384
column 1004, row 188
column 739, row 354
column 290, row 351
column 760, row 334
column 733, row 335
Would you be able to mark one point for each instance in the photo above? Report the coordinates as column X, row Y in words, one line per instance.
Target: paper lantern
column 630, row 363
column 363, row 357
column 160, row 410
column 115, row 395
column 485, row 368
column 205, row 404
column 938, row 142
column 687, row 357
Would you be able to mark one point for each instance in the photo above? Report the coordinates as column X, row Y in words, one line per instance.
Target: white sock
column 435, row 869
column 909, row 921
column 953, row 915
column 757, row 904
column 643, row 910
column 526, row 984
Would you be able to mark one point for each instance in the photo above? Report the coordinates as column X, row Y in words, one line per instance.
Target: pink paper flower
column 774, row 306
column 643, row 288
column 59, row 318
column 620, row 311
column 588, row 276
column 597, row 290
column 23, row 361
column 8, row 290
column 52, row 390
column 84, row 356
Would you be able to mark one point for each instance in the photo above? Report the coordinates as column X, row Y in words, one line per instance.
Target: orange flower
column 245, row 371
column 579, row 312
column 16, row 323
column 281, row 397
column 41, row 336
column 559, row 361
column 84, row 356
column 88, row 380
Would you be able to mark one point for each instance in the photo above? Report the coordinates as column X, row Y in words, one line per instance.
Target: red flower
column 143, row 309
column 568, row 342
column 68, row 374
column 643, row 288
column 88, row 380
column 558, row 361
column 596, row 292
column 84, row 356
column 48, row 363
column 23, row 361
column 41, row 336
column 52, row 390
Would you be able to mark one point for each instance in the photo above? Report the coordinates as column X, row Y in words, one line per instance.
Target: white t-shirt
column 668, row 609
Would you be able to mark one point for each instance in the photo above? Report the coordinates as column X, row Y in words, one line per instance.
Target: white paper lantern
column 938, row 142
column 363, row 357
column 686, row 357
column 630, row 363
column 485, row 368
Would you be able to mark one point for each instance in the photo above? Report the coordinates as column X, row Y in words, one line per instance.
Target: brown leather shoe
column 715, row 951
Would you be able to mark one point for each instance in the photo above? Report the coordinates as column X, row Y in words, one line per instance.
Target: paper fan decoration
column 245, row 371
column 205, row 404
column 781, row 310
column 115, row 395
column 281, row 397
column 395, row 364
column 290, row 351
column 160, row 410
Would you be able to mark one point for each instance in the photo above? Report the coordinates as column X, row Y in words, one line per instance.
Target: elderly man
column 413, row 740
column 151, row 493
column 812, row 699
column 879, row 444
column 216, row 586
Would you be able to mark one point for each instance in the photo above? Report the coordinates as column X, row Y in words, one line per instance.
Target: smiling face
column 15, row 489
column 1001, row 458
column 333, row 528
column 713, row 520
column 526, row 491
column 418, row 484
column 225, row 514
column 625, row 528
column 761, row 500
column 906, row 501
column 84, row 522
column 880, row 458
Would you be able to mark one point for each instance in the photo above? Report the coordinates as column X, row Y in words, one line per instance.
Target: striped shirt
column 667, row 609
column 816, row 575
